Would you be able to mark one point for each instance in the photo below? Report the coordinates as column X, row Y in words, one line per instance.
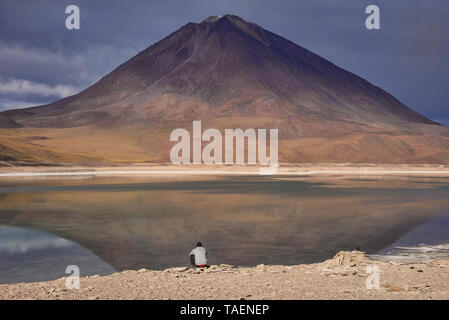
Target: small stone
column 396, row 287
column 437, row 263
column 178, row 269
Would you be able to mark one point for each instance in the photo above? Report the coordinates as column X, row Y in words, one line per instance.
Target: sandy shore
column 343, row 277
column 8, row 170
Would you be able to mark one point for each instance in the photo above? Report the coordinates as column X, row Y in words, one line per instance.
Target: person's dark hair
column 199, row 244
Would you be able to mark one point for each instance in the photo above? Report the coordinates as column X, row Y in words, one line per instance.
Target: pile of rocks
column 345, row 263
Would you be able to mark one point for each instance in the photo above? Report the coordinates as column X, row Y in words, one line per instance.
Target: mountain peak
column 229, row 17
column 228, row 22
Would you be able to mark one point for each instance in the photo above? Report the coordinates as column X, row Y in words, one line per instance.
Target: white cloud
column 21, row 86
column 78, row 68
column 6, row 104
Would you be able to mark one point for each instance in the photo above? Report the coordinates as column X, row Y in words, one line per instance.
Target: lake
column 108, row 224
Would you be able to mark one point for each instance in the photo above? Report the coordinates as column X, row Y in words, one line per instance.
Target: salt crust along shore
column 9, row 170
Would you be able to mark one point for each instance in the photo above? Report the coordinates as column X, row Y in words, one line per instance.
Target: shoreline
column 343, row 277
column 283, row 170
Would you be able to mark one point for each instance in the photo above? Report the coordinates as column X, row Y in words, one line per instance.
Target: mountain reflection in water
column 153, row 222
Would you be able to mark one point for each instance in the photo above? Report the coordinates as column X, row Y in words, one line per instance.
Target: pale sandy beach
column 343, row 277
column 169, row 169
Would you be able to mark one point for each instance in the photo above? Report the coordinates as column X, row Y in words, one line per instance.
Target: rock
column 226, row 266
column 438, row 263
column 422, row 286
column 339, row 272
column 349, row 259
column 397, row 287
column 178, row 269
column 142, row 270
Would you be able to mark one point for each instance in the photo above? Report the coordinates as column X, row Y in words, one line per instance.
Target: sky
column 41, row 61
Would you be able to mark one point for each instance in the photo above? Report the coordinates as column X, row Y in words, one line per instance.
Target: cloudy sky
column 41, row 61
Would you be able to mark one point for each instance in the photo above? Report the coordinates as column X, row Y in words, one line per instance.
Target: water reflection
column 29, row 255
column 153, row 222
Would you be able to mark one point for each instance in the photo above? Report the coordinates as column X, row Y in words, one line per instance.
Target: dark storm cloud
column 408, row 57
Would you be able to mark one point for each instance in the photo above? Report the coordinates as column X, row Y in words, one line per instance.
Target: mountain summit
column 232, row 73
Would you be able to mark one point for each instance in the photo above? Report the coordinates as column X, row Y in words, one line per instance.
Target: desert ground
column 343, row 277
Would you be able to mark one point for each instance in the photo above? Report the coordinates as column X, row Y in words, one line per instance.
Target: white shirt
column 200, row 254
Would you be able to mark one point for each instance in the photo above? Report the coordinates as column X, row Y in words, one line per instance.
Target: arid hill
column 229, row 73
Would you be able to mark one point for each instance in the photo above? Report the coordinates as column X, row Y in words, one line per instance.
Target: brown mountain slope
column 230, row 73
column 7, row 122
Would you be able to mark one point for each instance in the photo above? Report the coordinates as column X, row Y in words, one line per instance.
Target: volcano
column 228, row 73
